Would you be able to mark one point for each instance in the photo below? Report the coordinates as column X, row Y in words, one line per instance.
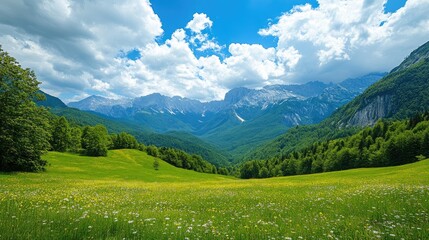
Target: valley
column 214, row 120
column 245, row 118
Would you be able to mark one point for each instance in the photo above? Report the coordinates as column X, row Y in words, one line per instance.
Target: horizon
column 222, row 99
column 200, row 50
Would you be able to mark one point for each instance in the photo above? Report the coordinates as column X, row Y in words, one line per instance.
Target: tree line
column 387, row 143
column 27, row 131
column 95, row 141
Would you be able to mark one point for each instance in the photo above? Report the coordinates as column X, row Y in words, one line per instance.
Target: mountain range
column 261, row 123
column 402, row 93
column 245, row 118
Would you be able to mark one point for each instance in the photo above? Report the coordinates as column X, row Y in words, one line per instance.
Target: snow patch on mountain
column 238, row 117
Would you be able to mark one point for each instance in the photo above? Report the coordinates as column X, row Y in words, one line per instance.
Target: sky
column 201, row 49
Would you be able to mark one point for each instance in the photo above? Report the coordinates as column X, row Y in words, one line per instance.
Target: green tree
column 96, row 140
column 264, row 173
column 60, row 134
column 250, row 170
column 152, row 150
column 24, row 127
column 156, row 164
column 75, row 139
column 124, row 140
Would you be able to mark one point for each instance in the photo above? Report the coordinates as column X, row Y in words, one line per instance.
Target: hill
column 122, row 196
column 120, row 165
column 177, row 140
column 388, row 143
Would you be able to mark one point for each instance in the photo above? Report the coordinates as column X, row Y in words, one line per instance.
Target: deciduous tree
column 24, row 127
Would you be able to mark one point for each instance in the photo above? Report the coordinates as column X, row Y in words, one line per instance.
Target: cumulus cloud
column 201, row 41
column 199, row 23
column 69, row 44
column 80, row 48
column 340, row 39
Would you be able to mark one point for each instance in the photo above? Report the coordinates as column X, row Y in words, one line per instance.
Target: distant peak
column 95, row 97
column 236, row 94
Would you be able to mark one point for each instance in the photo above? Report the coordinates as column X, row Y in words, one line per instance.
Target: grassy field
column 123, row 197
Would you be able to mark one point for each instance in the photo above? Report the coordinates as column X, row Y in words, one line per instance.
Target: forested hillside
column 387, row 143
column 401, row 94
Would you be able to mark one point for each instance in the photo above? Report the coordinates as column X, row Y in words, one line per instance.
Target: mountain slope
column 243, row 120
column 387, row 143
column 50, row 101
column 183, row 142
column 404, row 92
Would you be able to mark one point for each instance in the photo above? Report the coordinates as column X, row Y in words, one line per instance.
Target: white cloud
column 69, row 44
column 75, row 47
column 201, row 41
column 199, row 23
column 253, row 65
column 340, row 39
column 210, row 45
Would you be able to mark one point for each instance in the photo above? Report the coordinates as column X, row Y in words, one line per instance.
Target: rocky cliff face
column 377, row 108
column 400, row 94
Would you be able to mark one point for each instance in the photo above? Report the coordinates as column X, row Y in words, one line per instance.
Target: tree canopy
column 96, row 140
column 388, row 143
column 24, row 127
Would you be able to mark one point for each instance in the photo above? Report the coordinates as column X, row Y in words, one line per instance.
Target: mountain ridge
column 245, row 118
column 182, row 141
column 401, row 94
column 234, row 98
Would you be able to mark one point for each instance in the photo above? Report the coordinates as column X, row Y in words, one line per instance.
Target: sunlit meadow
column 123, row 197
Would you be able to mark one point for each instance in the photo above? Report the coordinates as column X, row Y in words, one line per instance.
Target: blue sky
column 201, row 49
column 234, row 21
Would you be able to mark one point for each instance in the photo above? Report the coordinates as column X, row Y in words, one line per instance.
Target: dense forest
column 387, row 143
column 28, row 130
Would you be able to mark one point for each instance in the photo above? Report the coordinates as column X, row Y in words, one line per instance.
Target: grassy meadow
column 122, row 197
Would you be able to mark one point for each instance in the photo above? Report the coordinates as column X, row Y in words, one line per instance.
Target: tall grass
column 122, row 196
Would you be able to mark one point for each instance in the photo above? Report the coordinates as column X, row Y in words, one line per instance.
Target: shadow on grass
column 8, row 173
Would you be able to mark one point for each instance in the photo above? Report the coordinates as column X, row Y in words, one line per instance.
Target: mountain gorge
column 243, row 120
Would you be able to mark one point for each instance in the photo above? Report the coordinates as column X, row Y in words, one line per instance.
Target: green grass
column 122, row 196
